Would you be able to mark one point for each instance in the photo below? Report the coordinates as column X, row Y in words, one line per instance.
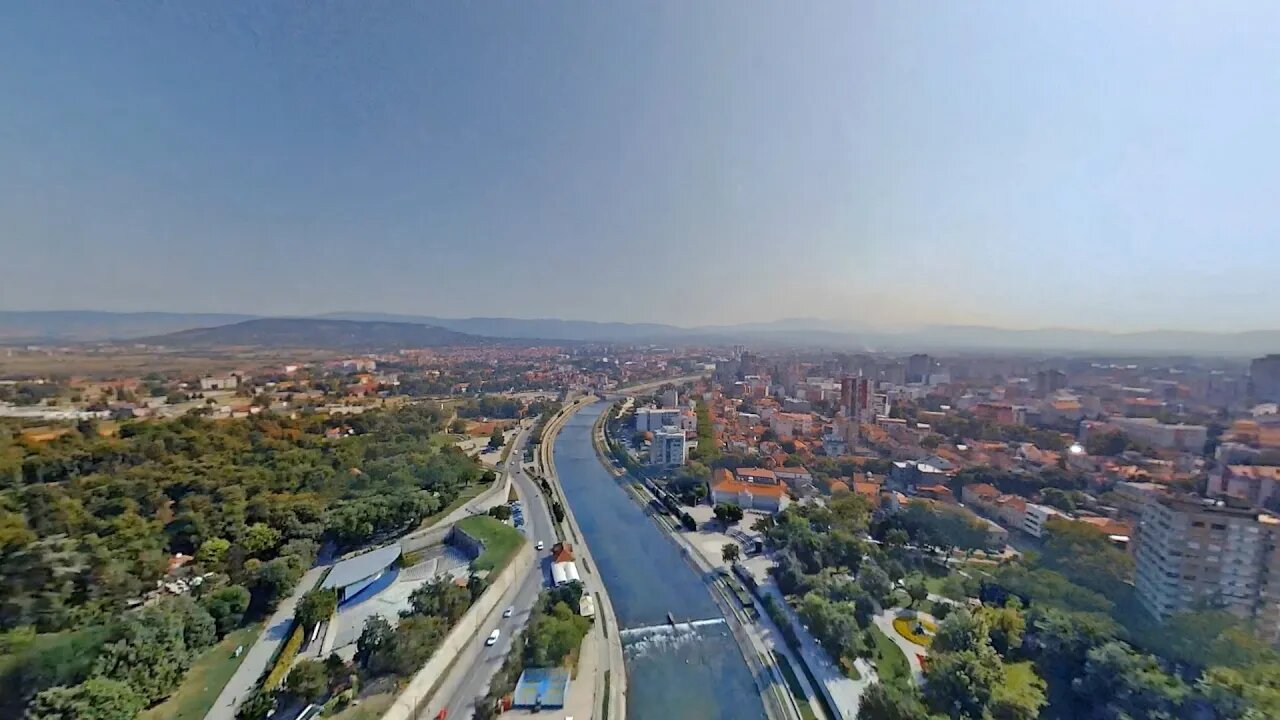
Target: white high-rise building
column 1192, row 550
column 668, row 447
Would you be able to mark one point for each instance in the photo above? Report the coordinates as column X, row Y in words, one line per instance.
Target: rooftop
column 358, row 568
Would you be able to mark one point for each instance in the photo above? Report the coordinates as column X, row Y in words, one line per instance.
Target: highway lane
column 469, row 678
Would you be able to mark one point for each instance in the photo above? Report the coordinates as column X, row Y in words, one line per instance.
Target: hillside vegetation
column 88, row 525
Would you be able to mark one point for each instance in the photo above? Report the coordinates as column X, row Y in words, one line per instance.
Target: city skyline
column 1102, row 168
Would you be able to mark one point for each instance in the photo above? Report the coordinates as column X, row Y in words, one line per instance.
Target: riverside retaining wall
column 467, row 630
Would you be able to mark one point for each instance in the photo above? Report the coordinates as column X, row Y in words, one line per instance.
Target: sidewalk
column 260, row 655
column 884, row 621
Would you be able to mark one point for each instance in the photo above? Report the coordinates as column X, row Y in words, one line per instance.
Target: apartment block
column 1194, row 551
column 668, row 447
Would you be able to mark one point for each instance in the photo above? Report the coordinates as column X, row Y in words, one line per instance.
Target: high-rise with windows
column 919, row 366
column 1264, row 379
column 1194, row 552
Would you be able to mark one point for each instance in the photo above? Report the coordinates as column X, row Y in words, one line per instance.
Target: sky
column 1093, row 165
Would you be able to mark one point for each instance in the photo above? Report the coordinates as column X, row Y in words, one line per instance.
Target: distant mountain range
column 316, row 333
column 93, row 326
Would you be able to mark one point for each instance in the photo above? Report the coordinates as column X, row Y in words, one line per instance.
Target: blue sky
column 1102, row 165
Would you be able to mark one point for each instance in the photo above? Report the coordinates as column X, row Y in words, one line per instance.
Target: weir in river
column 689, row 670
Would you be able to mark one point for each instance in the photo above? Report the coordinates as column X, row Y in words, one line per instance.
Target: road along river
column 692, row 671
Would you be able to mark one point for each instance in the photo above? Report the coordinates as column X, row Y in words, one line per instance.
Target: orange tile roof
column 983, row 490
column 758, row 475
column 737, row 487
column 867, row 489
column 1108, row 525
column 1258, row 472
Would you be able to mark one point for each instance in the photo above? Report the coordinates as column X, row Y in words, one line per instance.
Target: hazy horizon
column 1093, row 167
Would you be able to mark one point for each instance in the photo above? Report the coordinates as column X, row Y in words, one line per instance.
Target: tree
column 891, row 702
column 874, row 582
column 257, row 706
column 961, row 631
column 227, row 606
column 1006, row 626
column 496, row 438
column 553, row 634
column 916, row 589
column 1062, row 499
column 458, row 426
column 440, row 598
column 259, row 539
column 1085, row 556
column 931, row 441
column 1119, row 682
column 557, row 511
column 375, row 635
column 152, row 649
column 730, row 553
column 728, row 513
column 316, row 607
column 213, row 552
column 1114, row 442
column 501, row 512
column 1020, row 696
column 97, row 698
column 410, row 646
column 308, row 680
column 961, row 684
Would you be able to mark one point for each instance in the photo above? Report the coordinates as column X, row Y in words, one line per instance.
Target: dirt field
column 16, row 362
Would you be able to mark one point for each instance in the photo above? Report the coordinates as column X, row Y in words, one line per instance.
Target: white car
column 493, row 637
column 539, row 545
column 508, row 612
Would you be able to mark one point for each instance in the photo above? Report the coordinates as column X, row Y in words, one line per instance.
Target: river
column 691, row 673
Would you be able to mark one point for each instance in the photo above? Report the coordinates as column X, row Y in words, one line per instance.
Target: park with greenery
column 1058, row 634
column 89, row 522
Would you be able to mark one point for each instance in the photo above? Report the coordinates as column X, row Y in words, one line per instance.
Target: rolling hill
column 317, row 333
column 94, row 325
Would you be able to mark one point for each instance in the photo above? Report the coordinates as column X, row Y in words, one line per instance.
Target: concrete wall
column 467, row 630
column 462, row 540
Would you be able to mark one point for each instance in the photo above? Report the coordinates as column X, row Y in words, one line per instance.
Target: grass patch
column 906, row 627
column 891, row 664
column 604, row 704
column 934, row 584
column 850, row 670
column 501, row 541
column 208, row 675
column 793, row 684
column 370, row 708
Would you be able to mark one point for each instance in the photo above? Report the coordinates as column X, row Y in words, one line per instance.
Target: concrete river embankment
column 692, row 671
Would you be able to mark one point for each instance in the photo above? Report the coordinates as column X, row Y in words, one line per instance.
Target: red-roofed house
column 752, row 489
column 979, row 494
